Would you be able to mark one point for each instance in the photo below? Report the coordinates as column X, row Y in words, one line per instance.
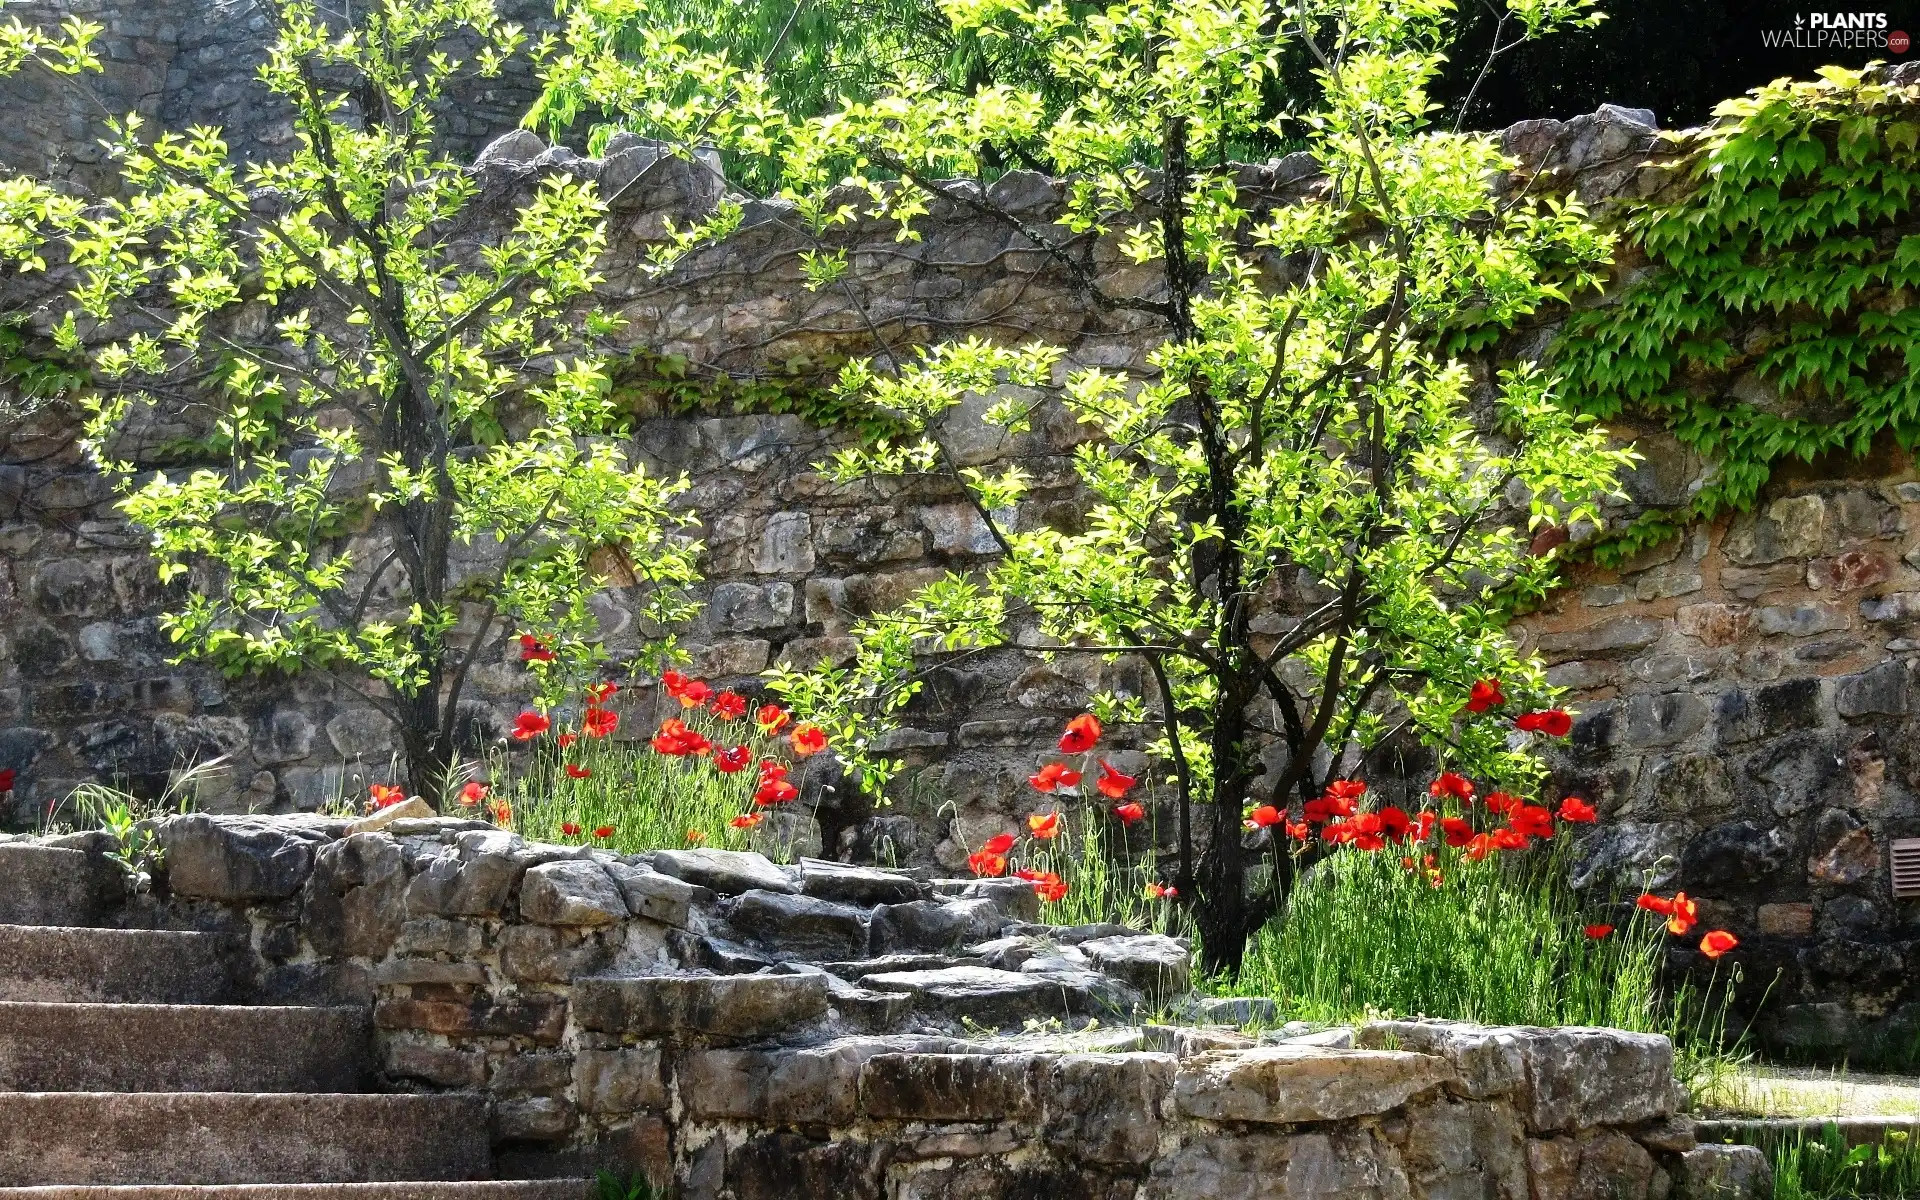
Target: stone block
column 950, row 1087
column 786, row 548
column 534, row 1119
column 1600, row 1166
column 403, row 972
column 1665, row 719
column 532, row 1074
column 1880, row 690
column 1258, row 1165
column 575, row 892
column 462, row 1012
column 987, row 996
column 1793, row 527
column 728, row 872
column 1289, row 1084
column 858, row 885
column 619, row 1081
column 1609, row 639
column 1792, row 920
column 551, row 954
column 1462, row 1150
column 725, row 1006
column 442, row 1066
column 238, row 858
column 1716, row 1172
column 1799, row 620
column 1157, row 966
column 1487, row 1061
column 654, row 896
column 815, row 1086
column 748, row 608
column 1107, row 1108
column 1582, row 1077
column 800, row 926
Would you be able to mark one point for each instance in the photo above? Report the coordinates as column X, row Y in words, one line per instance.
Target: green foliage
column 610, row 1185
column 35, row 375
column 645, row 383
column 1775, row 319
column 1306, row 440
column 1829, row 1169
column 370, row 387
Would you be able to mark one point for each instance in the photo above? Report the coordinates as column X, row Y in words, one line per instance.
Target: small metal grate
column 1906, row 869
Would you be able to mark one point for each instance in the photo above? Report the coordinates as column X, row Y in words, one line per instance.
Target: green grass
column 1828, row 1170
column 650, row 801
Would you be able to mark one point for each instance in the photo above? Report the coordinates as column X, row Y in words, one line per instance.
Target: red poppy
column 1596, row 932
column 1573, row 808
column 1113, row 785
column 1129, row 812
column 808, row 739
column 1449, row 784
column 729, row 706
column 674, row 682
column 732, row 759
column 771, row 718
column 1264, row 816
column 1554, row 722
column 1509, row 838
column 1081, row 734
column 999, row 843
column 1486, row 694
column 570, row 829
column 1531, row 820
column 1455, row 831
column 604, row 832
column 533, row 650
column 574, row 772
column 1346, row 789
column 1045, row 826
column 566, row 739
column 1297, row 830
column 386, row 795
column 1717, row 942
column 1395, row 823
column 775, row 791
column 1655, row 904
column 693, row 694
column 1479, row 846
column 501, row 812
column 1686, row 914
column 1053, row 777
column 530, row 725
column 1501, row 802
column 600, row 693
column 772, row 769
column 6, row 780
column 678, row 741
column 1158, row 892
column 1426, row 819
column 695, row 836
column 600, row 722
column 472, row 794
column 982, row 863
column 747, row 820
column 1050, row 889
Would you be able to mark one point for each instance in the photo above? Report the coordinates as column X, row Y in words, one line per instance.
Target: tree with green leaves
column 389, row 442
column 1308, row 445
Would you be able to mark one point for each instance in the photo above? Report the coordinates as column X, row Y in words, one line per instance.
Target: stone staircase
column 128, row 1071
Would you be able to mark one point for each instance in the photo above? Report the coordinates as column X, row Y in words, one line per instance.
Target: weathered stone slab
column 575, row 892
column 1238, row 1165
column 1581, row 1077
column 237, row 858
column 859, row 885
column 802, row 926
column 779, row 1087
column 1290, row 1084
column 1715, row 1172
column 1158, row 966
column 983, row 994
column 619, row 1081
column 728, row 872
column 1486, row 1060
column 1107, row 1108
column 951, row 1087
column 655, row 896
column 726, row 1006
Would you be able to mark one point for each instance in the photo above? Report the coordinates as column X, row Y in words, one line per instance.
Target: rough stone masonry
column 1745, row 693
column 756, row 1032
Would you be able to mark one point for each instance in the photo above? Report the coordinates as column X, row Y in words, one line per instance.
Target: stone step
column 534, row 1189
column 183, row 1048
column 238, row 1137
column 47, row 885
column 149, row 966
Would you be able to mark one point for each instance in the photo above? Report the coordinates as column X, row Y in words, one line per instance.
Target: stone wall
column 1743, row 691
column 753, row 1032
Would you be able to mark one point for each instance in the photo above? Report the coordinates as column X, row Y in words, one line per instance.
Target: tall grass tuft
column 1828, row 1169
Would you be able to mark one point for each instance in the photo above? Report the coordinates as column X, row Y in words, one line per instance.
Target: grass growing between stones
column 1829, row 1170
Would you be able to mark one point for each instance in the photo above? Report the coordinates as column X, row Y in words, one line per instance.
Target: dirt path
column 1816, row 1092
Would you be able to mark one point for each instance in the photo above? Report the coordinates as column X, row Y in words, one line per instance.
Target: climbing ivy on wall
column 1777, row 315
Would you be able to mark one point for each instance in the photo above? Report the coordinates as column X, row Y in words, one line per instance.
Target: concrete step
column 147, row 966
column 183, row 1048
column 47, row 885
column 539, row 1189
column 238, row 1137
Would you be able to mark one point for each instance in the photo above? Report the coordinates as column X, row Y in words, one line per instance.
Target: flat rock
column 1158, row 966
column 858, row 885
column 728, row 872
column 936, row 925
column 238, row 858
column 984, row 994
column 804, row 926
column 1715, row 1172
column 573, row 892
column 655, row 896
column 1290, row 1084
column 726, row 1006
column 891, row 962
